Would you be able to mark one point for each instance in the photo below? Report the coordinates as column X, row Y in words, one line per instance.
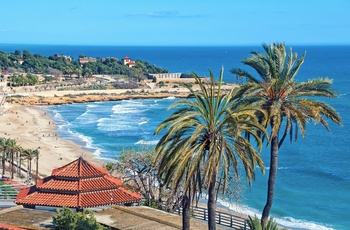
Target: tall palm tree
column 288, row 103
column 20, row 151
column 3, row 153
column 30, row 154
column 11, row 147
column 36, row 153
column 204, row 140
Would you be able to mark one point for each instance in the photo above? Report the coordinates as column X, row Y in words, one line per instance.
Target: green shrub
column 150, row 203
column 67, row 219
column 109, row 166
column 255, row 224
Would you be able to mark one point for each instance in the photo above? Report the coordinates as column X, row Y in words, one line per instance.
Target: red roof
column 79, row 169
column 126, row 58
column 9, row 227
column 78, row 184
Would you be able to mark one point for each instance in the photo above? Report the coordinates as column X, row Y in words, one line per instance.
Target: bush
column 255, row 224
column 109, row 166
column 67, row 219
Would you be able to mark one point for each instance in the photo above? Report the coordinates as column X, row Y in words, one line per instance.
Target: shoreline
column 32, row 128
column 54, row 97
column 69, row 97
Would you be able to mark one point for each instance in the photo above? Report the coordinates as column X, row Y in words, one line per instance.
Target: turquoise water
column 313, row 182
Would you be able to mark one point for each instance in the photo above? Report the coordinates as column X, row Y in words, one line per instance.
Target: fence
column 222, row 218
column 7, row 192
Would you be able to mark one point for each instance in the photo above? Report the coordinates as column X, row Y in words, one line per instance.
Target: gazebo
column 78, row 185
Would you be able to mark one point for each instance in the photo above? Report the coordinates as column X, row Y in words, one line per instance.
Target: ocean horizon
column 313, row 181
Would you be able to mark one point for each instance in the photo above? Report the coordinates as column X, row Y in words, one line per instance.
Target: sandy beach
column 31, row 127
column 22, row 119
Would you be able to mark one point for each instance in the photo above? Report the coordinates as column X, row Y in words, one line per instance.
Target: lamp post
column 28, row 178
column 37, row 164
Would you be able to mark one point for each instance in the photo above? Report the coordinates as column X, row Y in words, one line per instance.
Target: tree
column 204, row 140
column 3, row 154
column 30, row 154
column 87, row 72
column 19, row 158
column 287, row 102
column 67, row 219
column 11, row 147
column 36, row 154
column 139, row 171
column 137, row 164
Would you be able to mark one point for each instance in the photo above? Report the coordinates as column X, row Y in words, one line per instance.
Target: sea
column 313, row 179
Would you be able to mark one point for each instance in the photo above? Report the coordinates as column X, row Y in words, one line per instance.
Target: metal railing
column 222, row 218
column 7, row 192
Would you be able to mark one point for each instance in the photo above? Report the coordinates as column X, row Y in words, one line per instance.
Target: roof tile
column 78, row 184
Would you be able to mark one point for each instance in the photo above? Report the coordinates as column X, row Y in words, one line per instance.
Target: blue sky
column 180, row 22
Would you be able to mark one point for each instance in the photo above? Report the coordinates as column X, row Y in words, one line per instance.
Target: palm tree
column 30, row 154
column 204, row 141
column 36, row 153
column 3, row 154
column 287, row 102
column 11, row 147
column 19, row 160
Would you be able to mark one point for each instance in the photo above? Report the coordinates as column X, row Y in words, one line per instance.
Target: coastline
column 55, row 97
column 23, row 120
column 32, row 128
column 69, row 97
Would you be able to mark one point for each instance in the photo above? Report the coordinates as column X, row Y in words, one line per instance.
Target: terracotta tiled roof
column 105, row 182
column 88, row 199
column 79, row 169
column 78, row 184
column 9, row 227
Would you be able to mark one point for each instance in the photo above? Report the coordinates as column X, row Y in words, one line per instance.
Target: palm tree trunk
column 30, row 168
column 271, row 181
column 12, row 165
column 20, row 166
column 3, row 165
column 186, row 213
column 212, row 203
column 37, row 169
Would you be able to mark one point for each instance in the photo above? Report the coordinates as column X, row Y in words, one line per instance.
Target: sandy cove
column 31, row 127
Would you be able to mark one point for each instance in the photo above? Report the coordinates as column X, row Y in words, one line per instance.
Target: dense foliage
column 67, row 219
column 29, row 63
